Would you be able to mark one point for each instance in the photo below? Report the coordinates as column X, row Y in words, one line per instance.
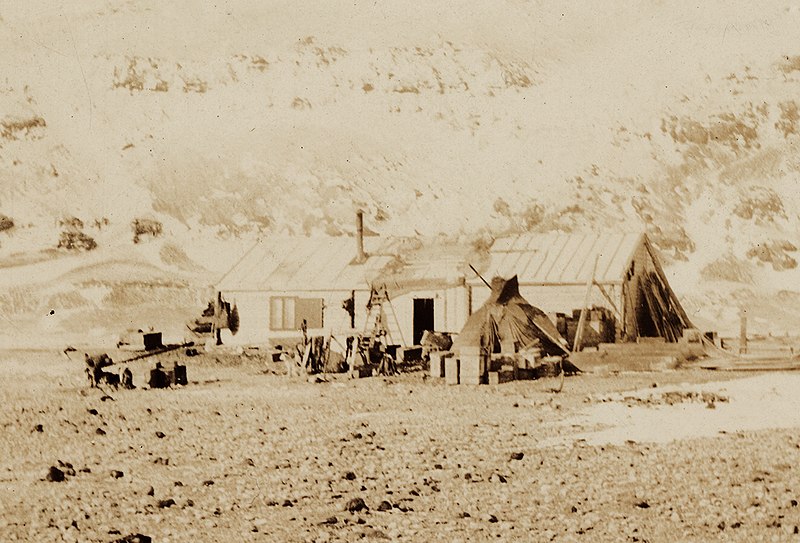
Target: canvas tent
column 507, row 317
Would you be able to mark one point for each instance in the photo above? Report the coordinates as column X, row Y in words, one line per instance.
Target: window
column 281, row 313
column 288, row 312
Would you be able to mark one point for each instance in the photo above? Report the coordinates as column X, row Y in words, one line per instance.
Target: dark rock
column 208, row 483
column 330, row 521
column 55, row 475
column 134, row 538
column 517, row 456
column 355, row 505
column 92, row 412
column 116, row 474
column 189, row 503
column 38, row 428
column 160, row 435
column 642, row 505
column 350, row 476
column 385, row 506
column 151, row 491
column 287, row 503
column 491, row 518
column 464, row 514
column 177, row 483
column 163, row 504
column 100, row 432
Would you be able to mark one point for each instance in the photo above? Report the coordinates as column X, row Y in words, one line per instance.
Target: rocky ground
column 243, row 454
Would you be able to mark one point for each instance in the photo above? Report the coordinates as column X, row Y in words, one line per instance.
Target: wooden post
column 742, row 331
column 582, row 319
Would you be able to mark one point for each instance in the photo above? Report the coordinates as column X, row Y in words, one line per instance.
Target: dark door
column 423, row 317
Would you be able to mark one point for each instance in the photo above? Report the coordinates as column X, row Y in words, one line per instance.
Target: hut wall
column 450, row 310
column 256, row 314
column 253, row 308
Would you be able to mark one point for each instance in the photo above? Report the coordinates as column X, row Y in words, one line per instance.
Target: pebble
column 355, row 505
column 55, row 475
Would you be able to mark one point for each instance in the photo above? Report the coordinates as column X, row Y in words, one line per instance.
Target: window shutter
column 310, row 309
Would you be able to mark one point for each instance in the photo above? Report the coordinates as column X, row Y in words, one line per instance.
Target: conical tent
column 508, row 317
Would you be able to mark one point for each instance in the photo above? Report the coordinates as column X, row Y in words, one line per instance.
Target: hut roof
column 563, row 259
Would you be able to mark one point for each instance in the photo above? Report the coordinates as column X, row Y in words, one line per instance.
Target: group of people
column 97, row 375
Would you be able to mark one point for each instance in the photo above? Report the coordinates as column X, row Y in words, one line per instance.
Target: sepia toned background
column 229, row 121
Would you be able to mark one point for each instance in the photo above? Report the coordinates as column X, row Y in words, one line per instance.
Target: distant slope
column 465, row 118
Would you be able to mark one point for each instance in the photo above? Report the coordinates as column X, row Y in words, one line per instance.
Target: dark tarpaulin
column 508, row 317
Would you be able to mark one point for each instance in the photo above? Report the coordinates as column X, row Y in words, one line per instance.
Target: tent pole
column 485, row 282
column 582, row 320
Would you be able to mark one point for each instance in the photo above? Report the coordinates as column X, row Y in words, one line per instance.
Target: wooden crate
column 472, row 369
column 437, row 363
column 451, row 371
column 499, row 377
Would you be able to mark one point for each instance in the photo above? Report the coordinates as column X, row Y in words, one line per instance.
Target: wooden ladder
column 379, row 320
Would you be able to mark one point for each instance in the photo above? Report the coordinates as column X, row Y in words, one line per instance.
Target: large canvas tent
column 507, row 317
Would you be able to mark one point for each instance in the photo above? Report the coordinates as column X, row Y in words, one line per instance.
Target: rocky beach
column 244, row 453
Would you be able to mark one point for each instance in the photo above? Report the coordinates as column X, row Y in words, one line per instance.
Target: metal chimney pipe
column 361, row 256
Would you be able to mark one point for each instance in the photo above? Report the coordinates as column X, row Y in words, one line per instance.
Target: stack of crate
column 437, row 361
column 451, row 371
column 503, row 368
column 472, row 368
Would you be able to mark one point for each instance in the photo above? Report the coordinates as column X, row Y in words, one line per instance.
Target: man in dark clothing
column 127, row 379
column 158, row 377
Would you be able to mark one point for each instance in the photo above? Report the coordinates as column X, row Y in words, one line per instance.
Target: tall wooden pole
column 742, row 331
column 576, row 344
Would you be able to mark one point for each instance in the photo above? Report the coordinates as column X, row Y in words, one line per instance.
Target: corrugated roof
column 543, row 259
column 326, row 263
column 290, row 264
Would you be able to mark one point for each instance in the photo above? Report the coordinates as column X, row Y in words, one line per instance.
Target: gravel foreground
column 242, row 454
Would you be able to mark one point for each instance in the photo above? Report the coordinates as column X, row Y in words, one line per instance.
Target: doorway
column 423, row 317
